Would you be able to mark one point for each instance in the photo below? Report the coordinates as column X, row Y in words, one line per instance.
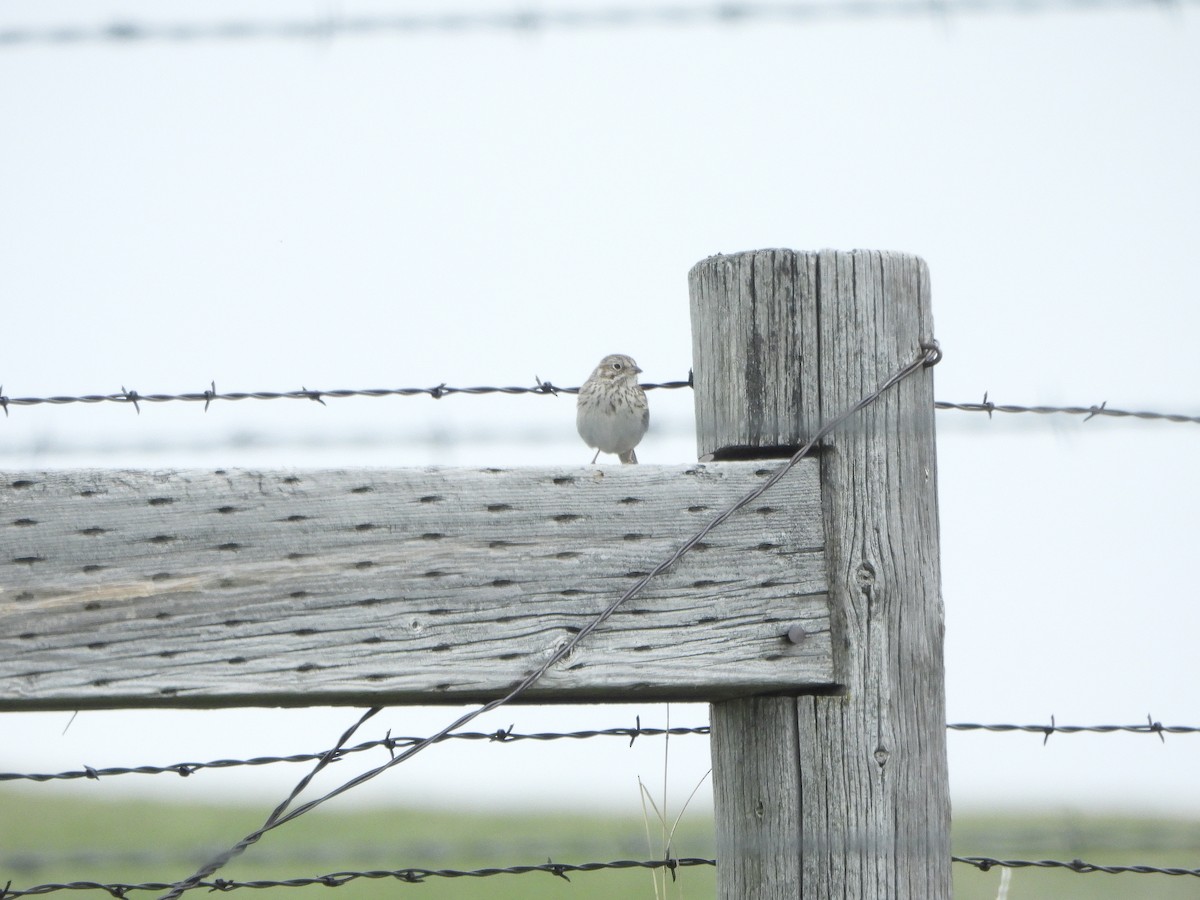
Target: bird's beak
column 637, row 371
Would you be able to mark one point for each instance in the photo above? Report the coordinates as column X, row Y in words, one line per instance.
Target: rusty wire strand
column 929, row 355
column 508, row 736
column 501, row 736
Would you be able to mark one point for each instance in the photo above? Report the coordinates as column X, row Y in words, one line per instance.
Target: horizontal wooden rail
column 371, row 587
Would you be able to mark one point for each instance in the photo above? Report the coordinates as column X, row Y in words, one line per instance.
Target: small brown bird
column 612, row 414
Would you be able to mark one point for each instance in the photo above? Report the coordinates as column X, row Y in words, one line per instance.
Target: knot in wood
column 865, row 576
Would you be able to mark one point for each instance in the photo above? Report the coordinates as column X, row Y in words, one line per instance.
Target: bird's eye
column 617, row 366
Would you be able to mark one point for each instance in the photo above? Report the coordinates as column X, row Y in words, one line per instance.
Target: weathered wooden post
column 842, row 794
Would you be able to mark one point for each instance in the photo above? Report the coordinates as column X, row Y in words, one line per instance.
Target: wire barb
column 1155, row 728
column 545, row 387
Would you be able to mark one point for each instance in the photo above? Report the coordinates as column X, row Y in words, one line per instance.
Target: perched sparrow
column 611, row 413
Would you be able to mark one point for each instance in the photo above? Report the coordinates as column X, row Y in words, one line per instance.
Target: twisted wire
column 560, row 870
column 546, row 388
column 984, row 863
column 508, row 736
column 1088, row 412
column 128, row 32
column 501, row 736
column 929, row 355
column 338, row 879
column 208, row 396
column 1151, row 727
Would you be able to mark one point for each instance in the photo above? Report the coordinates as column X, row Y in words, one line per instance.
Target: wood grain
column 854, row 791
column 364, row 587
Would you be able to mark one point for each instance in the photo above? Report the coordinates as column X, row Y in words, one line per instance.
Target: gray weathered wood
column 245, row 588
column 851, row 790
column 755, row 790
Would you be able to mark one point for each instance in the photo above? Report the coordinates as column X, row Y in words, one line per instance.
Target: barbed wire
column 208, row 396
column 544, row 388
column 500, row 736
column 929, row 355
column 560, row 870
column 412, row 745
column 984, row 863
column 1087, row 412
column 337, row 879
column 130, row 32
column 508, row 736
column 1151, row 727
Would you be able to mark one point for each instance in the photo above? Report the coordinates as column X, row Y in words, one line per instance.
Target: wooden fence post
column 842, row 794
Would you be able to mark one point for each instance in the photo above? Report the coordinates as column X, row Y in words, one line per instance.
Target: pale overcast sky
column 480, row 207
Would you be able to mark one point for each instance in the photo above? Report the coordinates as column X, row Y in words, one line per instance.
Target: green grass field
column 47, row 840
